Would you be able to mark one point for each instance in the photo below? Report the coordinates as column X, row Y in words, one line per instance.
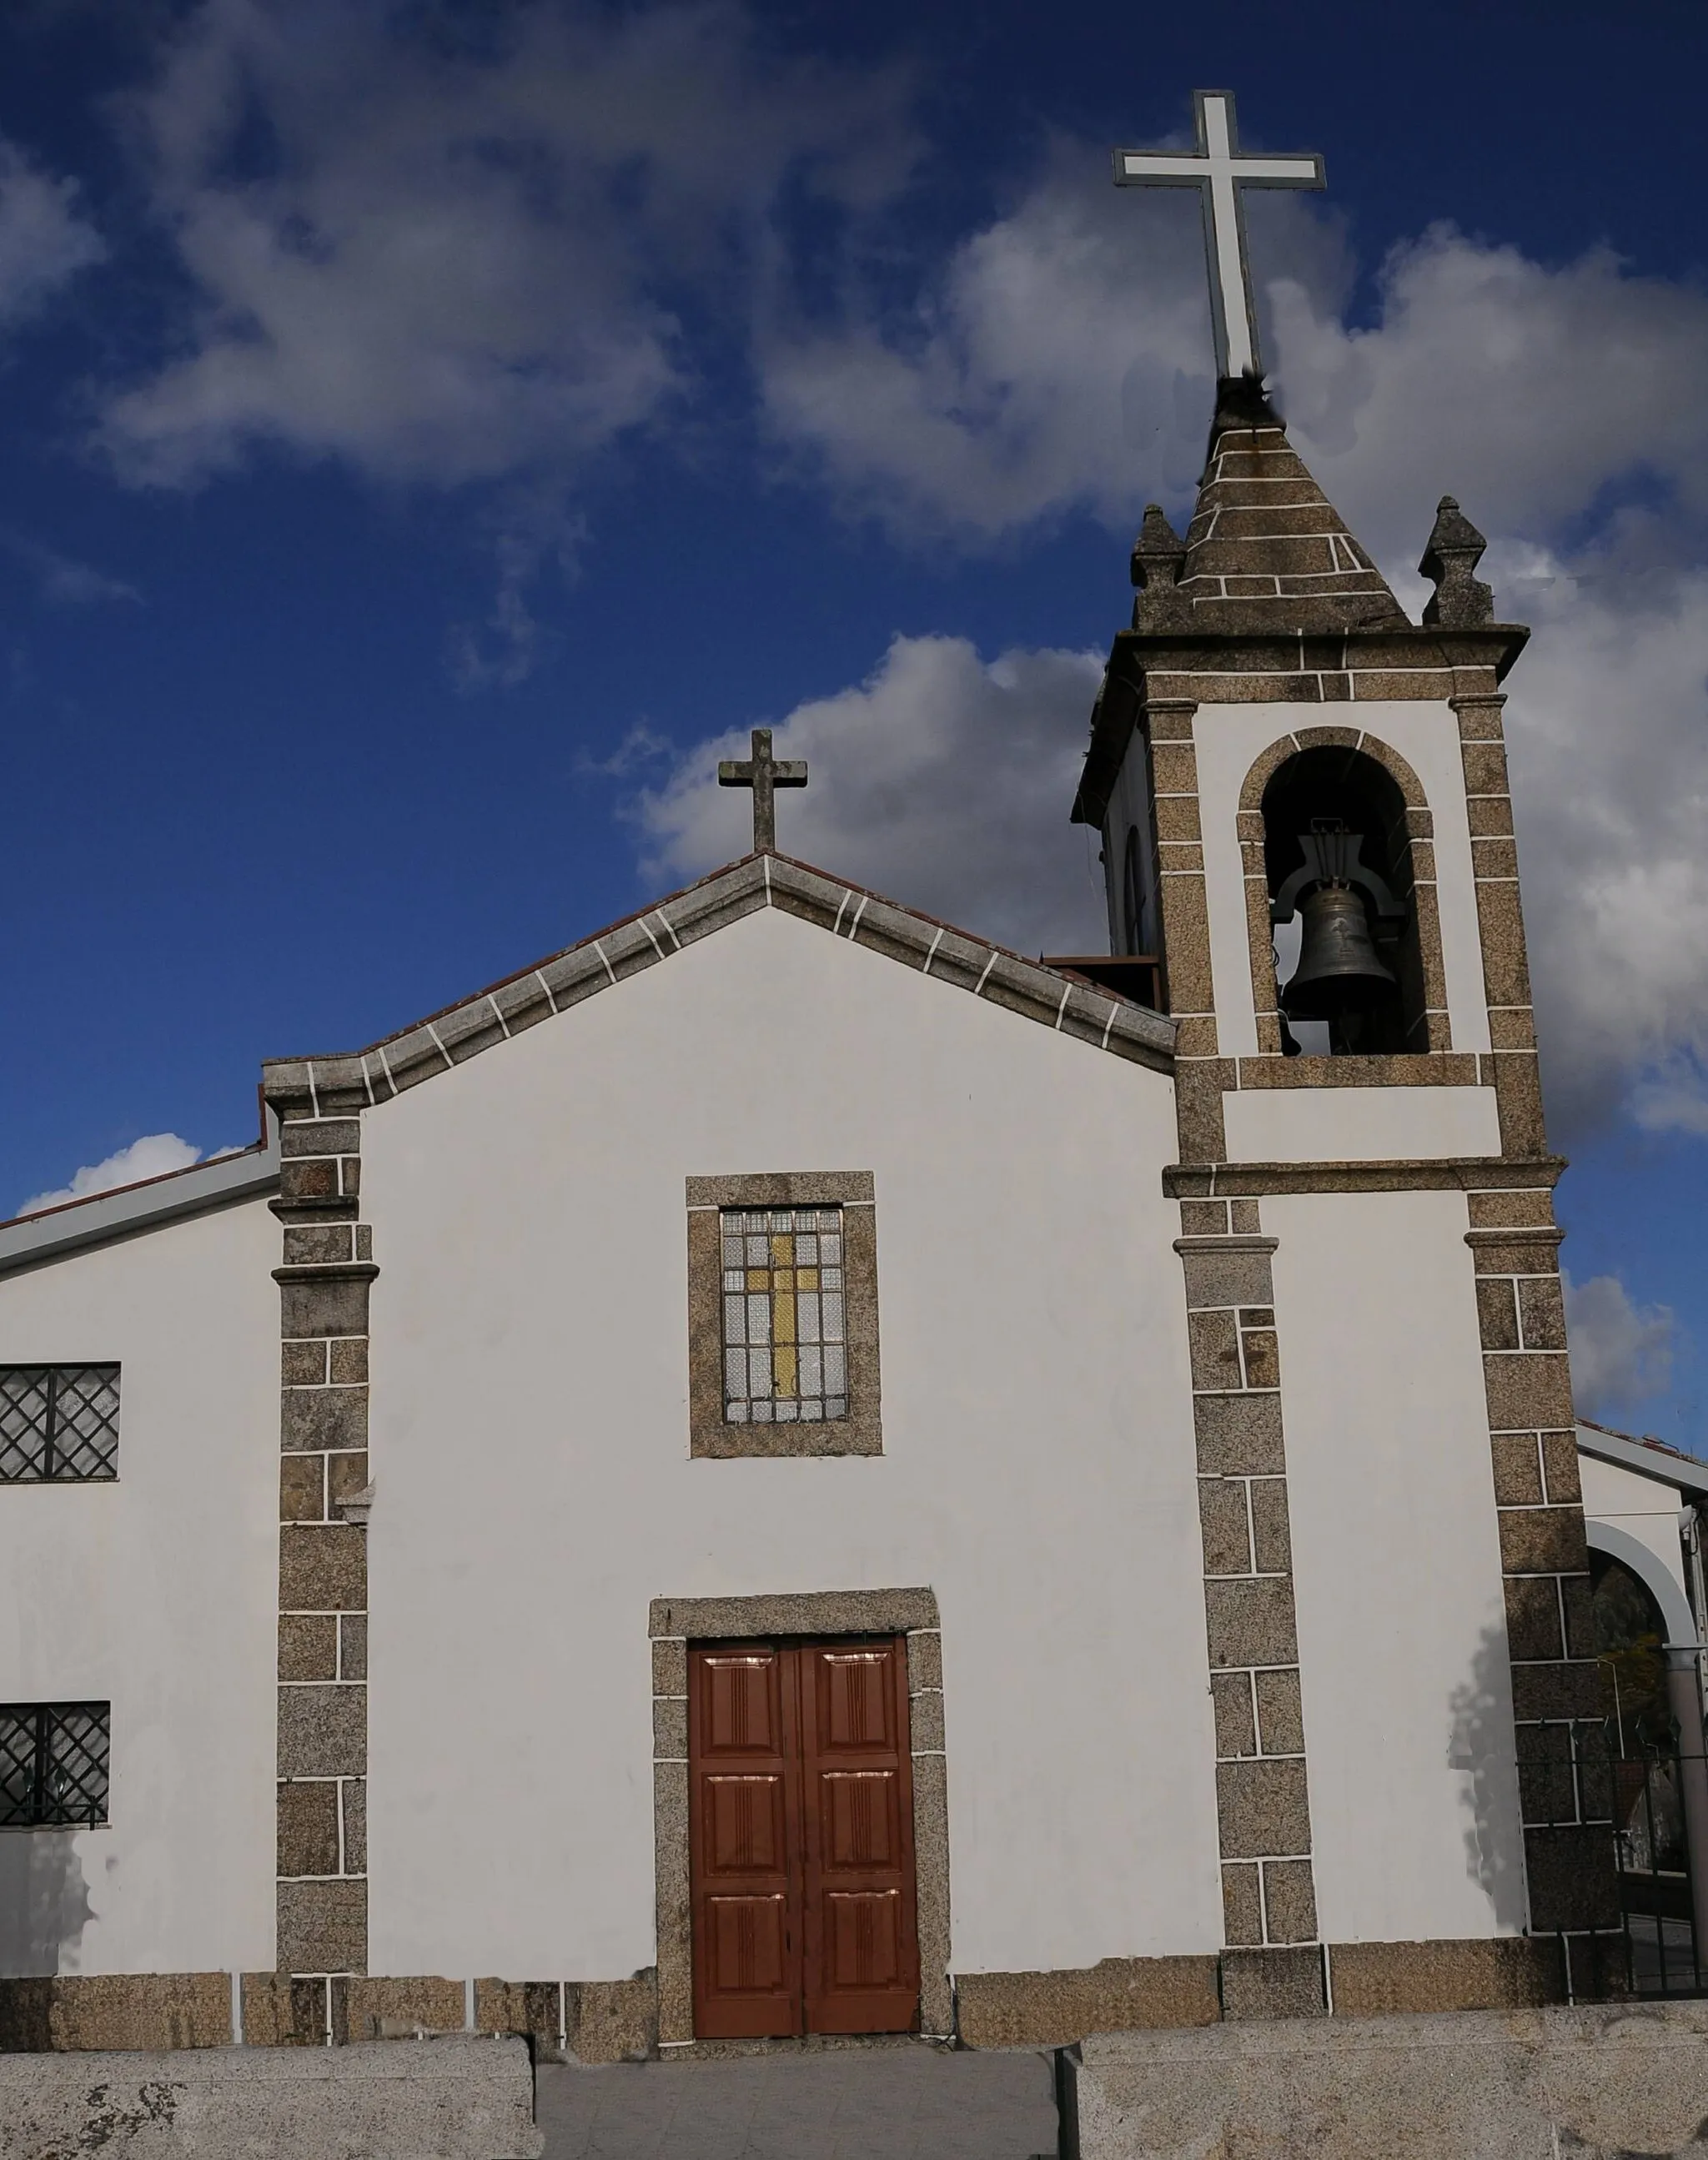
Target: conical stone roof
column 1267, row 551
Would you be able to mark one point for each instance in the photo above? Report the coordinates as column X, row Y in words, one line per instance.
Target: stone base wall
column 457, row 2099
column 1603, row 2084
column 614, row 2020
column 594, row 2021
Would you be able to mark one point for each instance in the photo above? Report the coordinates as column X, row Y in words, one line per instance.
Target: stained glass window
column 785, row 1337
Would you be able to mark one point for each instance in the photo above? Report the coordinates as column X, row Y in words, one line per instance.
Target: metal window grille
column 58, row 1422
column 54, row 1759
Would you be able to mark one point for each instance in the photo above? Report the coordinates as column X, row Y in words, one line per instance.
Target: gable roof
column 358, row 1080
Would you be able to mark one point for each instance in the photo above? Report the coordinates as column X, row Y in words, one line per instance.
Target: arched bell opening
column 1338, row 857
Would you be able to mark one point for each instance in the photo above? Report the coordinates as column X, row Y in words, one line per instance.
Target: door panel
column 800, row 1840
column 744, row 1781
column 859, row 1828
column 749, row 1946
column 863, row 1940
column 746, row 1829
column 862, row 1954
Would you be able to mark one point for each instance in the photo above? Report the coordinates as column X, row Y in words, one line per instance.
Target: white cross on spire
column 1218, row 172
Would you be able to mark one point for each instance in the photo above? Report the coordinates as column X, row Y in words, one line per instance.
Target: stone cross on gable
column 762, row 773
column 1218, row 172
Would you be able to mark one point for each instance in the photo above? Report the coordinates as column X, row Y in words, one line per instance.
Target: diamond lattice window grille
column 53, row 1763
column 58, row 1422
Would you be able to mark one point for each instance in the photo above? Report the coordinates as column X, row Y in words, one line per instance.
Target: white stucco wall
column 534, row 1489
column 1228, row 739
column 158, row 1593
column 1402, row 1634
column 1359, row 1124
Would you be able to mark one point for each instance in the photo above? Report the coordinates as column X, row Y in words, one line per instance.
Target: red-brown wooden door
column 800, row 1840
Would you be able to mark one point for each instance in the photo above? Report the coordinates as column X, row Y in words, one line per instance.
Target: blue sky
column 424, row 431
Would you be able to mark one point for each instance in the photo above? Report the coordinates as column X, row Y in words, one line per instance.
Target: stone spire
column 1268, row 553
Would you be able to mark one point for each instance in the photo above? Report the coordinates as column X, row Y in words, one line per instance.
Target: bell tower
column 1306, row 822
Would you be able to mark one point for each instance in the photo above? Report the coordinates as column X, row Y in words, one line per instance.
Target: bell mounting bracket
column 1332, row 858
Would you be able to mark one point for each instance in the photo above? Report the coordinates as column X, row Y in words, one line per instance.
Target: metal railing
column 1651, row 1796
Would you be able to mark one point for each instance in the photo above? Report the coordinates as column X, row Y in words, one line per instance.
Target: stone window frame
column 672, row 1624
column 1419, row 827
column 709, row 1433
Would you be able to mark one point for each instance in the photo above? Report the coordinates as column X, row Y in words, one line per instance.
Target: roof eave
column 34, row 1240
column 1656, row 1462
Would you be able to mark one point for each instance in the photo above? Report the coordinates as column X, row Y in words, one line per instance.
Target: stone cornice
column 1226, row 1180
column 347, row 1084
column 1137, row 655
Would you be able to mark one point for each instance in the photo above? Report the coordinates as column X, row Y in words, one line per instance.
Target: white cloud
column 153, row 1155
column 1059, row 359
column 447, row 264
column 44, row 241
column 63, row 579
column 941, row 779
column 1620, row 1353
column 1608, row 729
column 1524, row 391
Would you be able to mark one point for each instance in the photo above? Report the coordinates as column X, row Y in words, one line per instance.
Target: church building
column 788, row 1471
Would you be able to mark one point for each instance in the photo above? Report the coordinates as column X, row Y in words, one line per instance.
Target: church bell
column 1339, row 970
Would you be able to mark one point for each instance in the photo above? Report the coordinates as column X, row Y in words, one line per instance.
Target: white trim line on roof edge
column 104, row 1216
column 1689, row 1476
column 957, row 961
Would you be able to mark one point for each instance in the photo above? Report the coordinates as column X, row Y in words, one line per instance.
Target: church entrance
column 801, row 1839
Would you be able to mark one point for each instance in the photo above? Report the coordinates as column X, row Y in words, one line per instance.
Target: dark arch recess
column 1335, row 781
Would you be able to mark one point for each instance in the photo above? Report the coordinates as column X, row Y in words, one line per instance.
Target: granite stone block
column 1522, row 2083
column 308, row 1646
column 1239, row 1434
column 1251, row 1623
column 1498, row 1312
column 1533, row 1617
column 1542, row 1540
column 1236, row 1721
column 1272, row 1983
column 322, row 1926
column 1527, row 1391
column 316, row 1418
column 1290, row 1901
column 1054, row 2009
column 1518, row 1470
column 307, row 1819
column 1223, row 1526
column 1213, row 1339
column 1261, row 1809
column 1561, row 1464
column 353, row 1797
column 322, row 1568
column 1280, row 1714
column 322, row 1731
column 1242, row 1904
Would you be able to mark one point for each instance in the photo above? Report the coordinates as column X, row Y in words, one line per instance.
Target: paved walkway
column 855, row 2103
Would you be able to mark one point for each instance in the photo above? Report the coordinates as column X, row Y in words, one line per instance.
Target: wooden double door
column 801, row 1839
